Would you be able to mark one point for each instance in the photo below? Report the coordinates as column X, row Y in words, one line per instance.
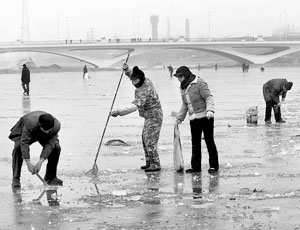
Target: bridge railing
column 145, row 40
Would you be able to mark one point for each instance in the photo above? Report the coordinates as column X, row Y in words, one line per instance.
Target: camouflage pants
column 150, row 136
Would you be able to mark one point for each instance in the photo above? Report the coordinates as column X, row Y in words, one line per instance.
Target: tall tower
column 187, row 29
column 25, row 35
column 154, row 22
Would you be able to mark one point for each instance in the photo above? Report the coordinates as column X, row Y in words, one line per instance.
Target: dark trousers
column 277, row 113
column 207, row 127
column 25, row 87
column 17, row 162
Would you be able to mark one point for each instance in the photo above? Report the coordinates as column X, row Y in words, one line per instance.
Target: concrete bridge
column 254, row 52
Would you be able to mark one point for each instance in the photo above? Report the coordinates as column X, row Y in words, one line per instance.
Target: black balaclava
column 138, row 74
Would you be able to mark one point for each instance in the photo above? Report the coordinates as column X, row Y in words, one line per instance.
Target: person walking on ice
column 25, row 79
column 85, row 72
column 147, row 102
column 171, row 69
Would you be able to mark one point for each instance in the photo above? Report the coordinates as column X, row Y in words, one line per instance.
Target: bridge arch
column 225, row 49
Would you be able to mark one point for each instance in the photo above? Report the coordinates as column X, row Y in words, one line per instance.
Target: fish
column 116, row 142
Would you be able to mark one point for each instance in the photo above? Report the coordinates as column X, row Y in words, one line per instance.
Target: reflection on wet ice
column 51, row 194
column 178, row 182
column 17, row 198
column 152, row 198
column 52, row 197
column 26, row 105
column 213, row 183
column 97, row 190
column 33, row 214
column 37, row 200
column 197, row 185
column 154, row 179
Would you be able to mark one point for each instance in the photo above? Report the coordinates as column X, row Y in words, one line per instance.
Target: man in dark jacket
column 272, row 89
column 35, row 126
column 25, row 78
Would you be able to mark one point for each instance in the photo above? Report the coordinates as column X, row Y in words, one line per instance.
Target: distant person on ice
column 170, row 68
column 85, row 72
column 147, row 102
column 35, row 126
column 198, row 102
column 272, row 90
column 25, row 79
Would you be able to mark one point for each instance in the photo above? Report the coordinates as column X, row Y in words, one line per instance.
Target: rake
column 94, row 170
column 44, row 182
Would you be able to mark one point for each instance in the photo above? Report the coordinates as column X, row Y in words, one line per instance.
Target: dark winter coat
column 272, row 89
column 25, row 75
column 28, row 131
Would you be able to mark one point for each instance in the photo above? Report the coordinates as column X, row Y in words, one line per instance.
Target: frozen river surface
column 257, row 186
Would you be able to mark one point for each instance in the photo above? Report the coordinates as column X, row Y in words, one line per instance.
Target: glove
column 209, row 114
column 279, row 104
column 178, row 121
column 30, row 167
column 38, row 165
column 114, row 113
column 125, row 66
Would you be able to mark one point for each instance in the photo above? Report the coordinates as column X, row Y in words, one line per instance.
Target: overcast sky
column 75, row 19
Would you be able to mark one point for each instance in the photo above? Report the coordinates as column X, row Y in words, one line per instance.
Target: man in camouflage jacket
column 147, row 102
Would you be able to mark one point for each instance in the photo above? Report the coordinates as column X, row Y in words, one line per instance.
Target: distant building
column 154, row 22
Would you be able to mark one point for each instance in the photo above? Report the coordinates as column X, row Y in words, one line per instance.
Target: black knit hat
column 46, row 121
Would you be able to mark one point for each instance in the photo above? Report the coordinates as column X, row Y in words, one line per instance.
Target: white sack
column 177, row 151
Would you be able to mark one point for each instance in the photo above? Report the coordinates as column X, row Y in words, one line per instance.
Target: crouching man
column 35, row 126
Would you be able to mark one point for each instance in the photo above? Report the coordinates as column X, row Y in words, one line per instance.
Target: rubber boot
column 16, row 185
column 153, row 167
column 147, row 165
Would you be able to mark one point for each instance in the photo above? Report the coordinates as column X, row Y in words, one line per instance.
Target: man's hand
column 125, row 66
column 178, row 121
column 114, row 113
column 276, row 107
column 209, row 114
column 38, row 165
column 30, row 166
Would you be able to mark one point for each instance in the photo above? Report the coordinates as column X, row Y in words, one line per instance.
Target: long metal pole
column 112, row 104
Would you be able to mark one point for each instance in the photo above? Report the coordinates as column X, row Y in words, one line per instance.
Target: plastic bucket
column 252, row 115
